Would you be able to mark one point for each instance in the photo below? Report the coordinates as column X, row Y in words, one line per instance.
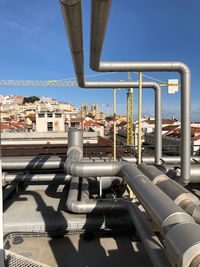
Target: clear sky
column 33, row 45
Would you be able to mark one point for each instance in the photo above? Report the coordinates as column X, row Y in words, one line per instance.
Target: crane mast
column 129, row 129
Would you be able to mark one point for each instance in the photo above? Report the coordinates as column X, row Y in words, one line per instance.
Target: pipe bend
column 182, row 67
column 156, row 87
column 70, row 3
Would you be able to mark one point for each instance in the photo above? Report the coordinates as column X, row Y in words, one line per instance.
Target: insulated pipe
column 174, row 172
column 193, row 209
column 73, row 20
column 165, row 213
column 170, row 187
column 72, row 15
column 49, row 163
column 149, row 239
column 96, row 46
column 152, row 244
column 12, row 178
column 42, row 177
column 87, row 205
column 181, row 196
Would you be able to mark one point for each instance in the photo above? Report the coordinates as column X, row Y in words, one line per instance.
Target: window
column 41, row 115
column 58, row 115
column 49, row 115
column 49, row 126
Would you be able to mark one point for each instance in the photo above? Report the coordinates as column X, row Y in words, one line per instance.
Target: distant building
column 50, row 122
column 84, row 110
column 171, row 140
column 95, row 111
column 91, row 125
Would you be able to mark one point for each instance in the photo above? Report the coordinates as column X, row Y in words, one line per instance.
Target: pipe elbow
column 183, row 68
column 94, row 66
column 81, row 83
column 70, row 2
column 156, row 87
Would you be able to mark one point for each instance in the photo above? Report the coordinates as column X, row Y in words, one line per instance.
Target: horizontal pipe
column 12, row 178
column 98, row 29
column 180, row 195
column 55, row 162
column 87, row 205
column 174, row 172
column 165, row 213
column 8, row 190
column 151, row 242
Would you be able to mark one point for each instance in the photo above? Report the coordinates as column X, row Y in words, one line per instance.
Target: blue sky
column 33, row 45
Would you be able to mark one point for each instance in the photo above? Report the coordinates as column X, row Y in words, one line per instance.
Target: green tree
column 30, row 99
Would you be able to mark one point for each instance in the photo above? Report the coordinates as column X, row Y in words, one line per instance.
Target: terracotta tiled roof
column 4, row 126
column 170, row 127
column 90, row 123
column 121, row 124
column 19, row 97
column 195, row 138
column 195, row 129
column 164, row 121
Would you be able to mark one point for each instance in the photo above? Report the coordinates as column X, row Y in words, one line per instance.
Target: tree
column 30, row 99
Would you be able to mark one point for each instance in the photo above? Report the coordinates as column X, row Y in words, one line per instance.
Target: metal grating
column 15, row 260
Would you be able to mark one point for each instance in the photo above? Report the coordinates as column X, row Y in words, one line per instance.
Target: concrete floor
column 42, row 209
column 75, row 251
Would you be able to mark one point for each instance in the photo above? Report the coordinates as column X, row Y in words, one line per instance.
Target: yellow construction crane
column 129, row 129
column 60, row 83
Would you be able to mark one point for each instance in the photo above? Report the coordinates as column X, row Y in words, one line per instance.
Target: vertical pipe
column 114, row 124
column 185, row 125
column 140, row 119
column 1, row 199
column 158, row 127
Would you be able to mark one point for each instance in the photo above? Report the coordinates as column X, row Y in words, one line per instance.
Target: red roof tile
column 195, row 138
column 90, row 123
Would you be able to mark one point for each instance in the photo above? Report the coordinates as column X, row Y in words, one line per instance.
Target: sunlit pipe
column 13, row 178
column 152, row 244
column 181, row 196
column 55, row 162
column 98, row 28
column 163, row 210
column 73, row 22
column 163, row 214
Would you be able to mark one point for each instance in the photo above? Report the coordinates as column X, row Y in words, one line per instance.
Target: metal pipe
column 180, row 67
column 56, row 163
column 140, row 119
column 8, row 191
column 158, row 107
column 13, row 178
column 152, row 244
column 192, row 208
column 180, row 195
column 163, row 213
column 73, row 20
column 170, row 187
column 71, row 10
column 114, row 125
column 87, row 205
column 174, row 172
column 150, row 241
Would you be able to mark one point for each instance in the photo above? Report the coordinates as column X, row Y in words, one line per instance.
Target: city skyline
column 34, row 46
